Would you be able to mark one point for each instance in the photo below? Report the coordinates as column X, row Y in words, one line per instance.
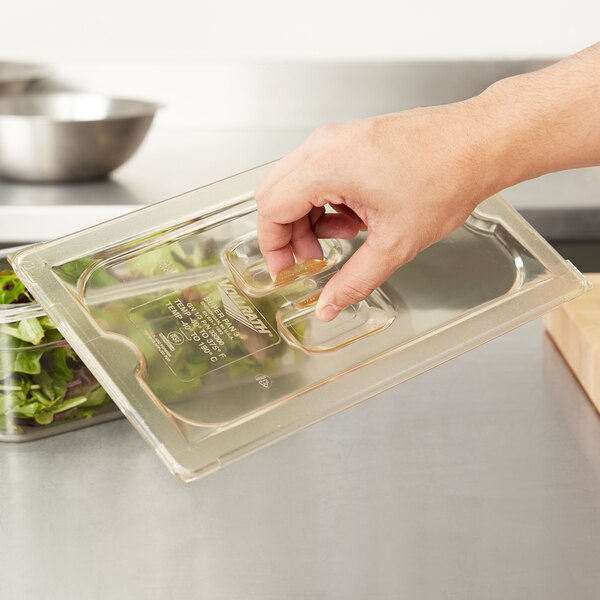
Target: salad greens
column 12, row 291
column 186, row 334
column 193, row 332
column 41, row 378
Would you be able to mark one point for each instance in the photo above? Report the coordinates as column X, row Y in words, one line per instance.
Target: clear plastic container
column 172, row 309
column 44, row 387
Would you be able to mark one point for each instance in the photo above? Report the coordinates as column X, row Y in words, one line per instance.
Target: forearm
column 413, row 177
column 541, row 122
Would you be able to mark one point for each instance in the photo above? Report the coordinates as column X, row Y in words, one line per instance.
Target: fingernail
column 327, row 312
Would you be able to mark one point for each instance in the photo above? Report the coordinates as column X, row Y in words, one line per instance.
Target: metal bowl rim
column 146, row 108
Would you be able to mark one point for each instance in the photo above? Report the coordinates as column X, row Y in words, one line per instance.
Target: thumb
column 365, row 270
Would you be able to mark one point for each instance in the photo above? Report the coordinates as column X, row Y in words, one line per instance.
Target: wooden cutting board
column 575, row 329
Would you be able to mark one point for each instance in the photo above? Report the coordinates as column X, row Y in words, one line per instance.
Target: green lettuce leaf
column 28, row 330
column 96, row 397
column 27, row 360
column 12, row 291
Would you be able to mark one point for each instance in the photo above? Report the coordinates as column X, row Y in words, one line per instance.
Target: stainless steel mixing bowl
column 69, row 136
column 18, row 77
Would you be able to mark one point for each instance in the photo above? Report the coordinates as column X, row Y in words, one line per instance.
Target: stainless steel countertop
column 479, row 479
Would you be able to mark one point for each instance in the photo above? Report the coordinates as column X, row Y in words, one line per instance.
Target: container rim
column 55, row 343
column 140, row 108
column 10, row 313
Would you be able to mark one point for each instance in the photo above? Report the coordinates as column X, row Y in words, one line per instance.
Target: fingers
column 282, row 168
column 282, row 244
column 337, row 226
column 279, row 206
column 274, row 242
column 287, row 210
column 304, row 242
column 292, row 216
column 365, row 270
column 315, row 214
column 346, row 210
column 292, row 197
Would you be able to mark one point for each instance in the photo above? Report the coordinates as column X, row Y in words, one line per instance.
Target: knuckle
column 260, row 197
column 325, row 131
column 355, row 290
column 264, row 204
column 405, row 255
column 388, row 246
column 263, row 209
column 324, row 162
column 259, row 191
column 395, row 252
column 390, row 250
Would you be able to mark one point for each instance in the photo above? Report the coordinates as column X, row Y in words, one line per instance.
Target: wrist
column 544, row 121
column 507, row 149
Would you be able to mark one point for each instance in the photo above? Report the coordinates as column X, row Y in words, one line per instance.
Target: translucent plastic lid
column 172, row 309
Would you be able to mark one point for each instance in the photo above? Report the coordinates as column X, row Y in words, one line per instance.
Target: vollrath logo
column 237, row 308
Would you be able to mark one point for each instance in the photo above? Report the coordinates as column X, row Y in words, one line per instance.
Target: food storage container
column 44, row 387
column 171, row 307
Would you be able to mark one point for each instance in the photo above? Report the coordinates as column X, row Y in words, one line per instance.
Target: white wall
column 163, row 49
column 346, row 29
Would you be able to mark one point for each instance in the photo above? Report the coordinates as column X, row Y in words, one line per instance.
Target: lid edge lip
column 158, row 224
column 10, row 313
column 20, row 313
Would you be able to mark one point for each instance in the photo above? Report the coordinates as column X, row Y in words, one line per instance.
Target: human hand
column 408, row 178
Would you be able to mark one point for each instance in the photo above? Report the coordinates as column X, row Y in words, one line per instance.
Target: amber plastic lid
column 172, row 309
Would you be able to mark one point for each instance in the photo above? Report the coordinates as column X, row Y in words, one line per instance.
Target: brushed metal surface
column 478, row 480
column 69, row 136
